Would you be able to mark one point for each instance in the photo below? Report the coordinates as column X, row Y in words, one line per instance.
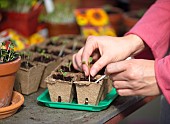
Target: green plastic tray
column 45, row 98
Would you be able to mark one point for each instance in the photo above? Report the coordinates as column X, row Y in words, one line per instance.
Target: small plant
column 7, row 53
column 21, row 6
column 88, row 64
column 44, row 55
column 25, row 55
column 64, row 43
column 69, row 65
column 63, row 73
column 63, row 12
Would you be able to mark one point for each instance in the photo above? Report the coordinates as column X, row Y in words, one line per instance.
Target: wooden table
column 33, row 112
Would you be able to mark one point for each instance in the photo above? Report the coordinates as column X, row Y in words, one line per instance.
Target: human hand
column 105, row 50
column 133, row 77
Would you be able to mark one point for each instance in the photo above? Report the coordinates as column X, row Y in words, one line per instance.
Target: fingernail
column 93, row 72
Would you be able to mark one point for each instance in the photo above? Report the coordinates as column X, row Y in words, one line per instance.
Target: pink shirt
column 154, row 29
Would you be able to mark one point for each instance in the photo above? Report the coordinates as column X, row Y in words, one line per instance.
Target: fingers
column 89, row 48
column 77, row 62
column 98, row 65
column 116, row 67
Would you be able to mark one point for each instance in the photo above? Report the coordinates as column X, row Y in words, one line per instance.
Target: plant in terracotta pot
column 29, row 75
column 22, row 12
column 9, row 65
column 61, row 20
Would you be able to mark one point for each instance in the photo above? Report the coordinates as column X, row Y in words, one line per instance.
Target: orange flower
column 82, row 20
column 97, row 17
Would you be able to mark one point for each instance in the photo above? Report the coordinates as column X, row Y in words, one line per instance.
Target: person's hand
column 133, row 77
column 106, row 49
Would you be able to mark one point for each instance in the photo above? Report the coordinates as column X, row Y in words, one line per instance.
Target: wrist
column 135, row 43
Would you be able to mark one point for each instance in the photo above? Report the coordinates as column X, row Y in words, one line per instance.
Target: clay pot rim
column 10, row 67
column 14, row 105
column 11, row 62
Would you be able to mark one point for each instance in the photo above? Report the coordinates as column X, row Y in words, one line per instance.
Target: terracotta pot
column 94, row 3
column 62, row 29
column 16, row 102
column 24, row 23
column 7, row 78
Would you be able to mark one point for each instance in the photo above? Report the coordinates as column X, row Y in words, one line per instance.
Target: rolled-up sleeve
column 154, row 29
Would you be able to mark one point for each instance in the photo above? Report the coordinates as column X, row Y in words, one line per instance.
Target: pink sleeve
column 154, row 29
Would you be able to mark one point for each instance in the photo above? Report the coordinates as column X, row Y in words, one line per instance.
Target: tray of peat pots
column 29, row 75
column 49, row 62
column 58, row 40
column 61, row 87
column 79, row 92
column 60, row 82
column 39, row 48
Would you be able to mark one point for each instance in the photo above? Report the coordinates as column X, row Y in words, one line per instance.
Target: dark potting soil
column 101, row 72
column 54, row 43
column 26, row 65
column 39, row 50
column 66, row 69
column 43, row 59
column 87, row 79
column 61, row 77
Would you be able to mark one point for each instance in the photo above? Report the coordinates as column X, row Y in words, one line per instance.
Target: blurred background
column 35, row 20
column 31, row 22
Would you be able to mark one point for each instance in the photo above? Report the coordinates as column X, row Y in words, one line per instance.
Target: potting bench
column 33, row 112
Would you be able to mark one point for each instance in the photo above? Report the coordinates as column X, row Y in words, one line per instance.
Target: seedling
column 74, row 46
column 26, row 57
column 43, row 54
column 69, row 65
column 63, row 47
column 63, row 73
column 88, row 64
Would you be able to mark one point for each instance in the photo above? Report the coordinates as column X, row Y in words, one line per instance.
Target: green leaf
column 90, row 59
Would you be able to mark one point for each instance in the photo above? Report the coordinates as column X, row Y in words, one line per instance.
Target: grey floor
column 148, row 114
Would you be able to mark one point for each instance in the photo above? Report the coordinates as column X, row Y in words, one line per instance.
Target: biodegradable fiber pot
column 28, row 80
column 60, row 90
column 7, row 78
column 89, row 92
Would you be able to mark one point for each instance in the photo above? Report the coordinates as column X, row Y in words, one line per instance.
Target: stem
column 89, row 78
column 62, row 50
column 74, row 46
column 9, row 51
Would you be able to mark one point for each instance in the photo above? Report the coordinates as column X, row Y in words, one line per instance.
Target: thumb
column 99, row 64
